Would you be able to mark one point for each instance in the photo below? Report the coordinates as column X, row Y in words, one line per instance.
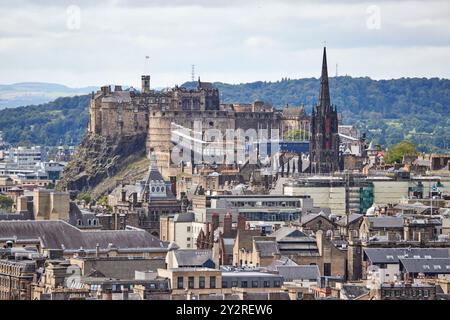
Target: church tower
column 324, row 138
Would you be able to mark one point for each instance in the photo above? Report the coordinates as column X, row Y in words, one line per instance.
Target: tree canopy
column 395, row 154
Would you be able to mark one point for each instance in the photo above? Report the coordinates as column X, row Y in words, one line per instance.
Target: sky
column 83, row 43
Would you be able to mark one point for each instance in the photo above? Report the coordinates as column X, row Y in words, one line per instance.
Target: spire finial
column 324, row 98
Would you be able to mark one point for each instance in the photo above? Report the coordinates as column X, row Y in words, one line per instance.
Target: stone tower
column 324, row 138
column 145, row 84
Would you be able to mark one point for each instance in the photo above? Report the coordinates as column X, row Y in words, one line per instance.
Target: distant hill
column 389, row 111
column 63, row 121
column 28, row 93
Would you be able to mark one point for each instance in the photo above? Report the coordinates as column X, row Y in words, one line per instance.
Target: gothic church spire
column 324, row 99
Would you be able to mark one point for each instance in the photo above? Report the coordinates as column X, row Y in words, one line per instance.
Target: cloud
column 230, row 41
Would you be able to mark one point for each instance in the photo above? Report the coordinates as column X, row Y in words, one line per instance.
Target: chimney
column 215, row 221
column 107, row 294
column 97, row 250
column 106, row 90
column 211, row 235
column 241, row 223
column 208, row 234
column 319, row 240
column 227, row 224
column 145, row 84
column 125, row 294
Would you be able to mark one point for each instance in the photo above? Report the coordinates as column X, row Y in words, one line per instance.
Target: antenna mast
column 193, row 73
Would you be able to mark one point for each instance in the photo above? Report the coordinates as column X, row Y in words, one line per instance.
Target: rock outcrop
column 99, row 159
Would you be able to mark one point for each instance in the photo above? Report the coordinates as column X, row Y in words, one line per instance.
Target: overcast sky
column 81, row 43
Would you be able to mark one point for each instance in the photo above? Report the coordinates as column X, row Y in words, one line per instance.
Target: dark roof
column 392, row 255
column 353, row 292
column 185, row 217
column 427, row 266
column 386, row 222
column 245, row 238
column 55, row 234
column 266, row 248
column 283, row 261
column 302, row 272
column 192, row 257
column 311, row 216
column 15, row 216
column 354, row 217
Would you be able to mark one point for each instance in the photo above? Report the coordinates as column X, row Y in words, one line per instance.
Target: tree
column 103, row 201
column 6, row 203
column 84, row 196
column 395, row 154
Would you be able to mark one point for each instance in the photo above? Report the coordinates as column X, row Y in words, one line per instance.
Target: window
column 254, row 284
column 212, row 282
column 244, row 284
column 180, row 283
column 191, row 282
column 234, row 284
column 188, row 229
column 277, row 283
column 266, row 284
column 327, row 269
column 202, row 282
column 224, row 284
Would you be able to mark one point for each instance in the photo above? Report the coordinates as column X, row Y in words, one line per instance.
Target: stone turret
column 145, row 80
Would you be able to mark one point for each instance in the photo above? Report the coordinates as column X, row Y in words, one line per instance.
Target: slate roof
column 290, row 234
column 283, row 261
column 427, row 266
column 185, row 217
column 386, row 222
column 57, row 234
column 392, row 255
column 353, row 292
column 310, row 217
column 192, row 257
column 266, row 248
column 354, row 217
column 302, row 272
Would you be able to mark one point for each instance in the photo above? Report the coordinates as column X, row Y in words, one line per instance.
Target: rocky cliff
column 100, row 163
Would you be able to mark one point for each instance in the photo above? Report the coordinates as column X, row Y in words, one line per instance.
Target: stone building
column 16, row 278
column 155, row 114
column 59, row 235
column 146, row 201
